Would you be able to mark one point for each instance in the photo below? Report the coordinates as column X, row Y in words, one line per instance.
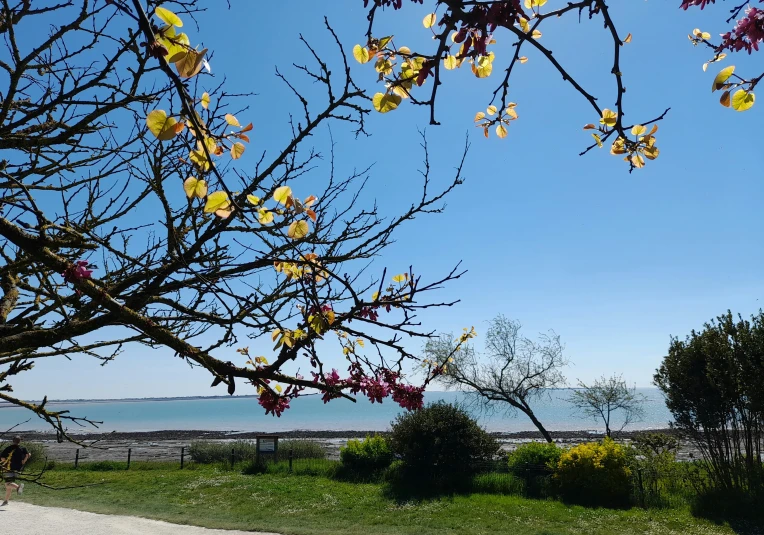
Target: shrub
column 206, row 452
column 441, row 446
column 366, row 458
column 594, row 474
column 301, row 449
column 534, row 463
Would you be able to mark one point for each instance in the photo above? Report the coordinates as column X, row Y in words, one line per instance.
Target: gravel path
column 25, row 519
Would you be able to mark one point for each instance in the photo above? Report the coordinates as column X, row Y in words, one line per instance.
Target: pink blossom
column 77, row 271
column 273, row 403
column 747, row 34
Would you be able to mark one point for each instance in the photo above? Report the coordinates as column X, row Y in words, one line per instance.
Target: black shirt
column 17, row 454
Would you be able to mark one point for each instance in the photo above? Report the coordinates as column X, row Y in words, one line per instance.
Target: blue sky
column 614, row 263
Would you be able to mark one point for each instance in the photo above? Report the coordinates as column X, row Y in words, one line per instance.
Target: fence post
column 233, row 457
column 290, row 459
column 129, row 454
column 77, row 458
column 182, row 456
column 641, row 488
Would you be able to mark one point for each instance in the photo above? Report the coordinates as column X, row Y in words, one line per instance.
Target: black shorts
column 9, row 477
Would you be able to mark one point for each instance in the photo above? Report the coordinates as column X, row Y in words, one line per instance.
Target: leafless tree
column 513, row 371
column 81, row 274
column 606, row 397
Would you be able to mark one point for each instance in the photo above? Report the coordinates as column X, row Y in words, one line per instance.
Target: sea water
column 311, row 414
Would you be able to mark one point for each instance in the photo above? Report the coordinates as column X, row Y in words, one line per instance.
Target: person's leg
column 8, row 490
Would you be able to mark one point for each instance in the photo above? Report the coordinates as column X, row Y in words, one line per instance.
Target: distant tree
column 713, row 386
column 514, row 370
column 606, row 396
column 132, row 215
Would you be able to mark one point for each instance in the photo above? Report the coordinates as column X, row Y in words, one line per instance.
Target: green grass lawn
column 299, row 504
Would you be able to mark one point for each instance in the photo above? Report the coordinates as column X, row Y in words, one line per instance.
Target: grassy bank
column 301, row 504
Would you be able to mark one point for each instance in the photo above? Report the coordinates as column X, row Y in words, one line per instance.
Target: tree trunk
column 529, row 413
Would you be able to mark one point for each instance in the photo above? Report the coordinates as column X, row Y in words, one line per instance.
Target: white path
column 25, row 519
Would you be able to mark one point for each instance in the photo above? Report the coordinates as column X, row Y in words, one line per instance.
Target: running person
column 12, row 460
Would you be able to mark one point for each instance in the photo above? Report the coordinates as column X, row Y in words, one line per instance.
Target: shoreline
column 167, row 445
column 199, row 434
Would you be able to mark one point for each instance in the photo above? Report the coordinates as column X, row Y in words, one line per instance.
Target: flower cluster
column 273, row 403
column 747, row 34
column 376, row 387
column 77, row 272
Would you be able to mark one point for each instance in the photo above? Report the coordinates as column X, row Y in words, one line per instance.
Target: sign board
column 268, row 446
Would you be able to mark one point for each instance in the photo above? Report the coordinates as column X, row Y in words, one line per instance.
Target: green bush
column 534, row 464
column 205, row 452
column 301, row 449
column 441, row 447
column 594, row 474
column 367, row 458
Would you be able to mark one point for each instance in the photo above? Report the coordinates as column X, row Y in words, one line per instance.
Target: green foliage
column 594, row 474
column 246, row 450
column 301, row 449
column 498, row 483
column 534, row 463
column 366, row 458
column 656, row 443
column 712, row 383
column 441, row 446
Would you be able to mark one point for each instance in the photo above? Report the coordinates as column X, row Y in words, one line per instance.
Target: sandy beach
column 167, row 445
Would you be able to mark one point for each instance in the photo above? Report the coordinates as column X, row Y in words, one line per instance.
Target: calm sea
column 309, row 413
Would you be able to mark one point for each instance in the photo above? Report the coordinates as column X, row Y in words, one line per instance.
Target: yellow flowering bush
column 595, row 473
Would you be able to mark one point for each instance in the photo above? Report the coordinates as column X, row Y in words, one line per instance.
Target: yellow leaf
column 609, row 117
column 638, row 161
column 652, row 153
column 205, row 100
column 282, row 194
column 298, row 229
column 404, row 50
column 501, row 131
column 278, row 389
column 724, row 100
column 536, row 34
column 275, row 334
column 361, row 54
column 195, row 188
column 216, row 201
column 230, row 119
column 191, row 63
column 491, row 110
column 524, row 24
column 450, row 62
column 168, row 17
column 385, row 102
column 483, row 68
column 628, row 39
column 638, row 130
column 522, row 59
column 403, row 277
column 722, row 77
column 253, row 200
column 511, row 113
column 742, row 100
column 163, row 127
column 479, row 116
column 237, row 149
column 264, row 216
column 598, row 140
column 374, row 296
column 618, row 147
column 429, row 20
